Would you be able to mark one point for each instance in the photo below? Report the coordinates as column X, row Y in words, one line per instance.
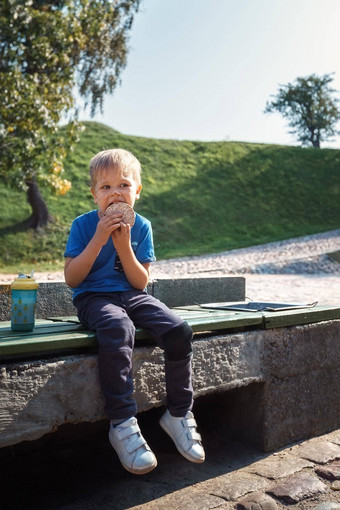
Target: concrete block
column 302, row 391
column 69, row 389
column 293, row 401
column 188, row 291
column 5, row 302
column 227, row 361
column 55, row 298
column 295, row 351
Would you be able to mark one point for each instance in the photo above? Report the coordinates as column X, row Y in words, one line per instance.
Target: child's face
column 114, row 185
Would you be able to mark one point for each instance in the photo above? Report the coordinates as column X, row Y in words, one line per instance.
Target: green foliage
column 309, row 107
column 202, row 197
column 48, row 49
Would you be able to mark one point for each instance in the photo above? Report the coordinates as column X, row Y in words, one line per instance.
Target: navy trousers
column 114, row 316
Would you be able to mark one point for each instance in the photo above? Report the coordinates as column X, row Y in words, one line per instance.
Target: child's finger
column 110, row 221
column 125, row 227
column 122, row 232
column 115, row 227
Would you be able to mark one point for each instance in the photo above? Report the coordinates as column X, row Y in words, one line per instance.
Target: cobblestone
column 257, row 502
column 330, row 472
column 194, row 502
column 237, row 484
column 321, row 452
column 279, row 466
column 298, row 487
column 334, row 437
column 328, row 506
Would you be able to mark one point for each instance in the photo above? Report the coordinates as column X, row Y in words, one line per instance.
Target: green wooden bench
column 57, row 335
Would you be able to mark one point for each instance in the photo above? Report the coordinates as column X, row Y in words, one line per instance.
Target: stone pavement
column 76, row 469
column 303, row 476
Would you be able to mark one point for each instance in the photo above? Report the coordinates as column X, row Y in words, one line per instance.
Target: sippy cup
column 24, row 294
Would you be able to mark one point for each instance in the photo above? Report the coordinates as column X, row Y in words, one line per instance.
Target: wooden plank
column 228, row 321
column 71, row 319
column 294, row 317
column 193, row 315
column 66, row 333
column 47, row 344
column 190, row 312
column 61, row 336
column 299, row 317
column 201, row 319
column 196, row 308
column 186, row 314
column 6, row 332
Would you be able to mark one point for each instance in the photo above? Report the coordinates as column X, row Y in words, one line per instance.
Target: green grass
column 202, row 197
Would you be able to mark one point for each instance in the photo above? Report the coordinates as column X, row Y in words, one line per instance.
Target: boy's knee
column 177, row 342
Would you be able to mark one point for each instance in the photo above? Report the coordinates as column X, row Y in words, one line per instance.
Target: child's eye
column 124, row 185
column 106, row 186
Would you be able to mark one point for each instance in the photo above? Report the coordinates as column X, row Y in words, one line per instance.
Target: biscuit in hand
column 129, row 215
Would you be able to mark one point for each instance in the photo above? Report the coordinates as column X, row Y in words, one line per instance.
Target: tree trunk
column 315, row 138
column 40, row 215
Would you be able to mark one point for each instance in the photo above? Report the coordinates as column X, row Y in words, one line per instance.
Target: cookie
column 129, row 215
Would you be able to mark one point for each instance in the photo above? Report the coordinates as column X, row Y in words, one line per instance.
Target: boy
column 107, row 265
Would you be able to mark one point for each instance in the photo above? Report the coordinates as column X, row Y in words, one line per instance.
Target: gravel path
column 298, row 269
column 301, row 255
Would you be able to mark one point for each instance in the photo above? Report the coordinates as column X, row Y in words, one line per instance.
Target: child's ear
column 139, row 189
column 94, row 195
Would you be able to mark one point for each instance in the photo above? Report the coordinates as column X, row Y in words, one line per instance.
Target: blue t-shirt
column 107, row 274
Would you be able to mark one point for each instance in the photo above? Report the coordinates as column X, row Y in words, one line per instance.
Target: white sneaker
column 133, row 451
column 183, row 433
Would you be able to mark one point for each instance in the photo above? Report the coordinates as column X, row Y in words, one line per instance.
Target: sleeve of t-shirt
column 145, row 250
column 75, row 243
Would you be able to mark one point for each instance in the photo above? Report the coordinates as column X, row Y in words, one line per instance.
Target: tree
column 48, row 50
column 309, row 107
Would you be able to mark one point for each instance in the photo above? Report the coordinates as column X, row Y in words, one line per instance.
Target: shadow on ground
column 76, row 468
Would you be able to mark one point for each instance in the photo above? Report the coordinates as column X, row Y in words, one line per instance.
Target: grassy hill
column 201, row 197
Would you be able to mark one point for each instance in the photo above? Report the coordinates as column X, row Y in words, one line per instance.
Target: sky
column 204, row 69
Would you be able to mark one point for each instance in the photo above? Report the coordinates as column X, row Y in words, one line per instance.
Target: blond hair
column 115, row 158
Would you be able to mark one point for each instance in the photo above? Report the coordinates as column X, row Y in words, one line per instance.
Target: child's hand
column 121, row 237
column 106, row 225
